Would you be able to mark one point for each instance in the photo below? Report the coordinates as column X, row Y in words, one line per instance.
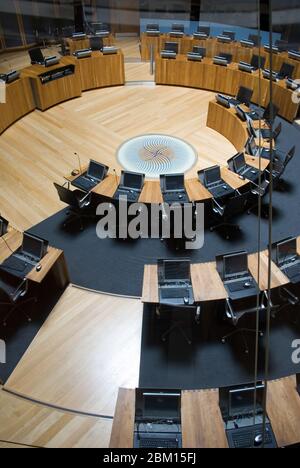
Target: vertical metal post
column 151, row 59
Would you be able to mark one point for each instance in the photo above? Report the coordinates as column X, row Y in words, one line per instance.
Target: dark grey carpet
column 208, row 363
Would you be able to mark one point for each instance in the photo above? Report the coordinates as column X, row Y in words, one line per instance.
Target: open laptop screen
column 133, row 181
column 174, row 182
column 212, row 175
column 158, row 405
column 34, row 246
column 239, row 162
column 235, row 264
column 286, row 251
column 96, row 170
column 176, row 270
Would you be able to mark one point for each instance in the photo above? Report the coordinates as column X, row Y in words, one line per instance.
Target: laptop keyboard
column 244, row 438
column 293, row 270
column 180, row 197
column 158, row 443
column 239, row 285
column 174, row 293
column 14, row 264
column 85, row 183
column 131, row 196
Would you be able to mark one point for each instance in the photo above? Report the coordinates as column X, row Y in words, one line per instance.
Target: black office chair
column 270, row 113
column 234, row 315
column 178, row 325
column 96, row 43
column 288, row 298
column 277, row 131
column 244, row 95
column 258, row 62
column 258, row 192
column 79, row 204
column 15, row 289
column 279, row 166
column 225, row 213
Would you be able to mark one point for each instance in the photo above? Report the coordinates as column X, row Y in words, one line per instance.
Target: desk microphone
column 79, row 162
column 117, row 180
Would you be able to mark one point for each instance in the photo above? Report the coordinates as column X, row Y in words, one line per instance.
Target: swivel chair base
column 15, row 307
column 176, row 326
column 76, row 217
column 227, row 226
column 242, row 331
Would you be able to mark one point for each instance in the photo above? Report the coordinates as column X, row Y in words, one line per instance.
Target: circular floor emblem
column 153, row 155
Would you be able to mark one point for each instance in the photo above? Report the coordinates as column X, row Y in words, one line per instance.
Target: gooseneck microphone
column 79, row 162
column 117, row 180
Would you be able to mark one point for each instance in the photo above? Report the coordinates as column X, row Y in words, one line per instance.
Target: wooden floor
column 25, row 424
column 87, row 349
column 39, row 149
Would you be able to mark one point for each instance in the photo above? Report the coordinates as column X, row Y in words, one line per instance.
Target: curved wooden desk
column 213, row 47
column 19, row 102
column 77, row 44
column 207, row 283
column 99, row 71
column 227, row 80
column 201, row 419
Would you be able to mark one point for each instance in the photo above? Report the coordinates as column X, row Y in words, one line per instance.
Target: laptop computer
column 3, row 226
column 265, row 133
column 173, row 188
column 174, row 282
column 243, row 169
column 158, row 419
column 237, row 278
column 288, row 260
column 244, row 429
column 214, row 183
column 131, row 186
column 255, row 150
column 28, row 256
column 92, row 177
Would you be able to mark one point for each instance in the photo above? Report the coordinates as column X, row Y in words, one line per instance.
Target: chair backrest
column 289, row 156
column 258, row 62
column 67, row 196
column 244, row 95
column 36, row 55
column 236, row 205
column 96, row 43
column 277, row 131
column 287, row 70
column 13, row 286
column 271, row 112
